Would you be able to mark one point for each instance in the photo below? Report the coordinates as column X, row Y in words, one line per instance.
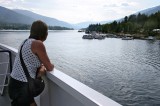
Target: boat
column 60, row 90
column 94, row 35
column 81, row 31
column 88, row 36
column 99, row 36
column 127, row 38
column 150, row 38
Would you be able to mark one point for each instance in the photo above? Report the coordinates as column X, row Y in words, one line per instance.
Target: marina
column 94, row 35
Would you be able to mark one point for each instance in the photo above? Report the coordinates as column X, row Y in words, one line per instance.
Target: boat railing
column 5, row 70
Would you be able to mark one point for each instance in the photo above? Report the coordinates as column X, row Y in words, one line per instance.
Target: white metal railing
column 7, row 75
column 62, row 90
column 5, row 68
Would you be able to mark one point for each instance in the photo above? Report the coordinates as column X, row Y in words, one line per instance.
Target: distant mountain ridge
column 150, row 11
column 48, row 20
column 27, row 17
column 9, row 16
column 86, row 24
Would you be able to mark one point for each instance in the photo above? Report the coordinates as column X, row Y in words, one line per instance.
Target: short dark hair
column 39, row 30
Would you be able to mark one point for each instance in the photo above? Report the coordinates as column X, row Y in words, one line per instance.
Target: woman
column 35, row 57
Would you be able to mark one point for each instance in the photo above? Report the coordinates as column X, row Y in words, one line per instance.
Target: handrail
column 5, row 83
column 10, row 57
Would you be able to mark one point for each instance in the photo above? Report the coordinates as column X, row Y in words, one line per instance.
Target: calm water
column 126, row 71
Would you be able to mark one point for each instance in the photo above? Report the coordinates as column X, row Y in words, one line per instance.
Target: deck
column 4, row 99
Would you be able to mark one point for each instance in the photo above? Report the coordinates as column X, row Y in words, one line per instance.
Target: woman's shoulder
column 37, row 43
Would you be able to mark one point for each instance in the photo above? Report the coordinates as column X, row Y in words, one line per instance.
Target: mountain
column 48, row 20
column 150, row 11
column 9, row 16
column 87, row 23
column 27, row 17
column 83, row 24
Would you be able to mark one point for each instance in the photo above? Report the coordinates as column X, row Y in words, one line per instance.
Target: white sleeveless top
column 31, row 61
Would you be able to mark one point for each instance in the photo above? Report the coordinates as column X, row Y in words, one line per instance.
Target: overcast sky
column 75, row 11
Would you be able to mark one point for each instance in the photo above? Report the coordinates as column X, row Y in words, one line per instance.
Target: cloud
column 12, row 3
column 125, row 4
column 5, row 1
column 110, row 5
column 75, row 11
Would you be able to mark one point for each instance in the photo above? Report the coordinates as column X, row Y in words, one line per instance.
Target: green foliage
column 140, row 23
column 95, row 27
column 59, row 28
column 15, row 26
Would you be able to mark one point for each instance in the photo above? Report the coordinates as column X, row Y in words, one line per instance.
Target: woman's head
column 39, row 30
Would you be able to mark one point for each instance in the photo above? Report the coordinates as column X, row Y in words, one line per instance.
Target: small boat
column 99, row 36
column 80, row 31
column 94, row 35
column 127, row 38
column 150, row 38
column 87, row 37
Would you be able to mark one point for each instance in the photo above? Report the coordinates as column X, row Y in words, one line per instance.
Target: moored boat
column 87, row 37
column 127, row 38
column 94, row 35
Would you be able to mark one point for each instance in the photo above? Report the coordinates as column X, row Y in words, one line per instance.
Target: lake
column 127, row 71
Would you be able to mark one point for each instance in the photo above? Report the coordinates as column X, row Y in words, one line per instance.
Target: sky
column 76, row 11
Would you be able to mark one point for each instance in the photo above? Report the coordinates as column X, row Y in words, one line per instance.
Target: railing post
column 4, row 75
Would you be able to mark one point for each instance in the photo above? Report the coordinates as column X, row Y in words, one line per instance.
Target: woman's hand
column 41, row 71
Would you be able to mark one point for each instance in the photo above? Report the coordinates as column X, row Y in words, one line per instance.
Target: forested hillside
column 14, row 26
column 133, row 24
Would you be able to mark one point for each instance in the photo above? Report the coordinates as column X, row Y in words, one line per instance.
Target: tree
column 125, row 19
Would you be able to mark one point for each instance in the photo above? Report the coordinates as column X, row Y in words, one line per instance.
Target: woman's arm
column 39, row 49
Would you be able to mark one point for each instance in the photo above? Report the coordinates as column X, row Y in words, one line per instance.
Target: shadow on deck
column 4, row 99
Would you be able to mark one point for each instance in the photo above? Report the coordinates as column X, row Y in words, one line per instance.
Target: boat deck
column 4, row 99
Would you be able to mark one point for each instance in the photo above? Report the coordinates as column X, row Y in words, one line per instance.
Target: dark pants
column 18, row 92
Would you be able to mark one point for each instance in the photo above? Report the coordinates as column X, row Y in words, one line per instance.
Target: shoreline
column 10, row 30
